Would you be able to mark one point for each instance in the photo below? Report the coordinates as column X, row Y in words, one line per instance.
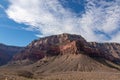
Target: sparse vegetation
column 25, row 74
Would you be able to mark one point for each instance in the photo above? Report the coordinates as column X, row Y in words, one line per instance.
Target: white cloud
column 103, row 16
column 47, row 16
column 50, row 17
column 116, row 38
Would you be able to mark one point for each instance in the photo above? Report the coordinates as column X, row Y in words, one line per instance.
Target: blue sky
column 22, row 21
column 11, row 32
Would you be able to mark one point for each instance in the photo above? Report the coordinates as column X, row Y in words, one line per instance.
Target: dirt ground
column 67, row 67
column 63, row 76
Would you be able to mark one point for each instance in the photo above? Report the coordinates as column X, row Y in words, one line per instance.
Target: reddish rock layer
column 69, row 44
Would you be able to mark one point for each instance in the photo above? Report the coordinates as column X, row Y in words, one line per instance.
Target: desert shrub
column 25, row 74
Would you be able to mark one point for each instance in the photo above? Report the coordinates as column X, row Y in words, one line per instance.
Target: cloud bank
column 99, row 22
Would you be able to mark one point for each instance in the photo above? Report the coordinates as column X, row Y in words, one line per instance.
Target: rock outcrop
column 51, row 46
column 69, row 44
column 110, row 51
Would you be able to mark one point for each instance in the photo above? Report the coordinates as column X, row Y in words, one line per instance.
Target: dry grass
column 67, row 67
column 71, row 75
column 25, row 74
column 68, row 76
column 84, row 76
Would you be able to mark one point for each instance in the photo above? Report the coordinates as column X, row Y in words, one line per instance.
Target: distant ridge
column 7, row 52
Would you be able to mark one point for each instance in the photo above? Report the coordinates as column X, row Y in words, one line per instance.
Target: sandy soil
column 66, row 76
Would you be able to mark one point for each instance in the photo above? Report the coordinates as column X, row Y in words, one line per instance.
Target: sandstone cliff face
column 110, row 51
column 6, row 53
column 108, row 48
column 67, row 52
column 51, row 46
column 69, row 44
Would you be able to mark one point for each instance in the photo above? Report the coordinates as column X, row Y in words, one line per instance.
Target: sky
column 22, row 21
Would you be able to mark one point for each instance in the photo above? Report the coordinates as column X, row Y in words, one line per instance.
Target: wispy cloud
column 1, row 6
column 101, row 17
column 100, row 22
